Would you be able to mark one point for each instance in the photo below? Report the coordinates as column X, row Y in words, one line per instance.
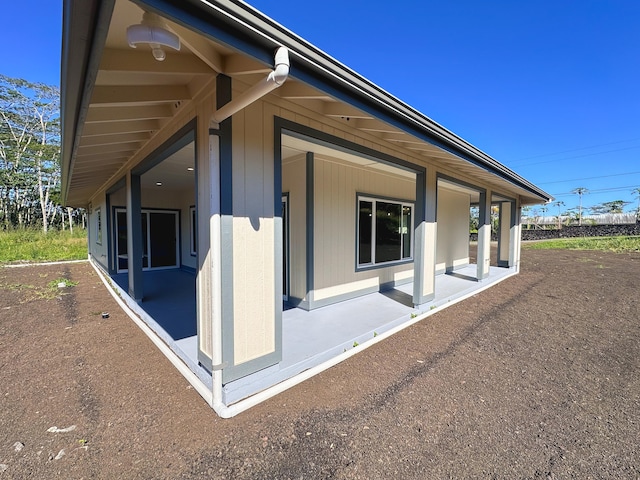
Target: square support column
column 505, row 250
column 424, row 252
column 484, row 235
column 509, row 234
column 516, row 235
column 135, row 249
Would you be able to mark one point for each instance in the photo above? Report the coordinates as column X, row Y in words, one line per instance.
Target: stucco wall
column 254, row 237
column 294, row 184
column 452, row 249
column 98, row 247
column 335, row 202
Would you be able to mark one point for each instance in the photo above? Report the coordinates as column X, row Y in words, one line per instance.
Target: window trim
column 98, row 213
column 192, row 231
column 374, row 199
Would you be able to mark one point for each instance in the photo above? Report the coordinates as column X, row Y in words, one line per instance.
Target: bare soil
column 537, row 377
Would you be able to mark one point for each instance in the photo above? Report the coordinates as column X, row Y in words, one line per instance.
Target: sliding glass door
column 159, row 239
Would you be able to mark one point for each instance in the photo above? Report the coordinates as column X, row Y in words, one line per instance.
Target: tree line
column 30, row 158
column 607, row 210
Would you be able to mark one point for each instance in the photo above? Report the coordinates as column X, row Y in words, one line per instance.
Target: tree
column 616, row 206
column 544, row 209
column 474, row 219
column 29, row 151
column 559, row 203
column 580, row 191
column 636, row 192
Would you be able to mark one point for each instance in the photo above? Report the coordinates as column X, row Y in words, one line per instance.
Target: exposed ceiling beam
column 242, row 65
column 117, row 114
column 120, row 127
column 139, row 60
column 107, row 168
column 116, row 138
column 139, row 94
column 295, row 90
column 369, row 125
column 200, row 47
column 108, row 149
column 335, row 109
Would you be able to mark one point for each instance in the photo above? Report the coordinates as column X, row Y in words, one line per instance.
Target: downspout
column 273, row 80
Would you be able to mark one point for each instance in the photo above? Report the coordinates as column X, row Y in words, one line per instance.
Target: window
column 98, row 226
column 192, row 228
column 385, row 231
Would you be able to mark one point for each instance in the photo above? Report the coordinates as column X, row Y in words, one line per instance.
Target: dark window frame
column 374, row 255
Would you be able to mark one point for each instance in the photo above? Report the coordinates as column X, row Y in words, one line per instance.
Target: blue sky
column 550, row 89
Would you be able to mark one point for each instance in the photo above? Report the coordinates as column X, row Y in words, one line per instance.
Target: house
column 259, row 207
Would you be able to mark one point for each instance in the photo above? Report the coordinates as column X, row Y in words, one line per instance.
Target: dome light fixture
column 153, row 31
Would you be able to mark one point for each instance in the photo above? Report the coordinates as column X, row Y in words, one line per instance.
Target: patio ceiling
column 134, row 97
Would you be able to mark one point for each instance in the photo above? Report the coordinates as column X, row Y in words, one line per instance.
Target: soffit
column 134, row 96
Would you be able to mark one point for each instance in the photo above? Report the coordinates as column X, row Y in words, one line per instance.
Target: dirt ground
column 537, row 377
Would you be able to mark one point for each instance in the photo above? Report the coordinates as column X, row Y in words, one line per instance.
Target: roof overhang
column 228, row 37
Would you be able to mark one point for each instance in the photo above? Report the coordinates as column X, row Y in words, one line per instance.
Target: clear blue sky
column 549, row 88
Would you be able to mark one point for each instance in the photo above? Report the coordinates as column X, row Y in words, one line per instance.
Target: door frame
column 147, row 237
column 286, row 247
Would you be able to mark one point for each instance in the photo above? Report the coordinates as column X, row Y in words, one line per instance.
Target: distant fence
column 602, row 219
column 574, row 231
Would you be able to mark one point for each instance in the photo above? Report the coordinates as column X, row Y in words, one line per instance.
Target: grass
column 604, row 244
column 30, row 245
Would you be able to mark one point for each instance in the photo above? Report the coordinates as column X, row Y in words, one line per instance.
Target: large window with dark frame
column 385, row 231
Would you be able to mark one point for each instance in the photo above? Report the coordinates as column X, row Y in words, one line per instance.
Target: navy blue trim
column 223, row 96
column 120, row 184
column 193, row 226
column 336, row 143
column 134, row 254
column 310, row 264
column 176, row 142
column 286, row 246
column 461, row 182
column 391, row 263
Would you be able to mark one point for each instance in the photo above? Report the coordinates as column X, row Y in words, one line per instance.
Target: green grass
column 31, row 245
column 604, row 244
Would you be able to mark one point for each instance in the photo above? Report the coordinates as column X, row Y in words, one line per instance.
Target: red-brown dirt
column 537, row 377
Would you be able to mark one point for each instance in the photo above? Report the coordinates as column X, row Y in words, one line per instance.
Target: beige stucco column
column 424, row 266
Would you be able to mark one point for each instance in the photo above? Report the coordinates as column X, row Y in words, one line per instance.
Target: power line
column 602, row 190
column 589, row 178
column 578, row 156
column 576, row 149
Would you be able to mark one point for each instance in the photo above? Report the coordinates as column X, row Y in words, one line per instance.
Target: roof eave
column 84, row 29
column 245, row 28
column 242, row 27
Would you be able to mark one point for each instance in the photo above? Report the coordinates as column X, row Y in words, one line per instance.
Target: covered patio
column 312, row 339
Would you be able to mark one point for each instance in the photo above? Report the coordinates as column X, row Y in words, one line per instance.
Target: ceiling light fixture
column 153, row 31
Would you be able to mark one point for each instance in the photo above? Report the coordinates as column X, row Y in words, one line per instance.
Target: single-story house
column 261, row 210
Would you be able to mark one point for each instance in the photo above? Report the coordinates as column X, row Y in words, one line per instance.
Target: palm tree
column 559, row 204
column 636, row 192
column 581, row 191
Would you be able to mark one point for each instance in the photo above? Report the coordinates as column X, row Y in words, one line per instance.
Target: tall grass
column 605, row 244
column 30, row 245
